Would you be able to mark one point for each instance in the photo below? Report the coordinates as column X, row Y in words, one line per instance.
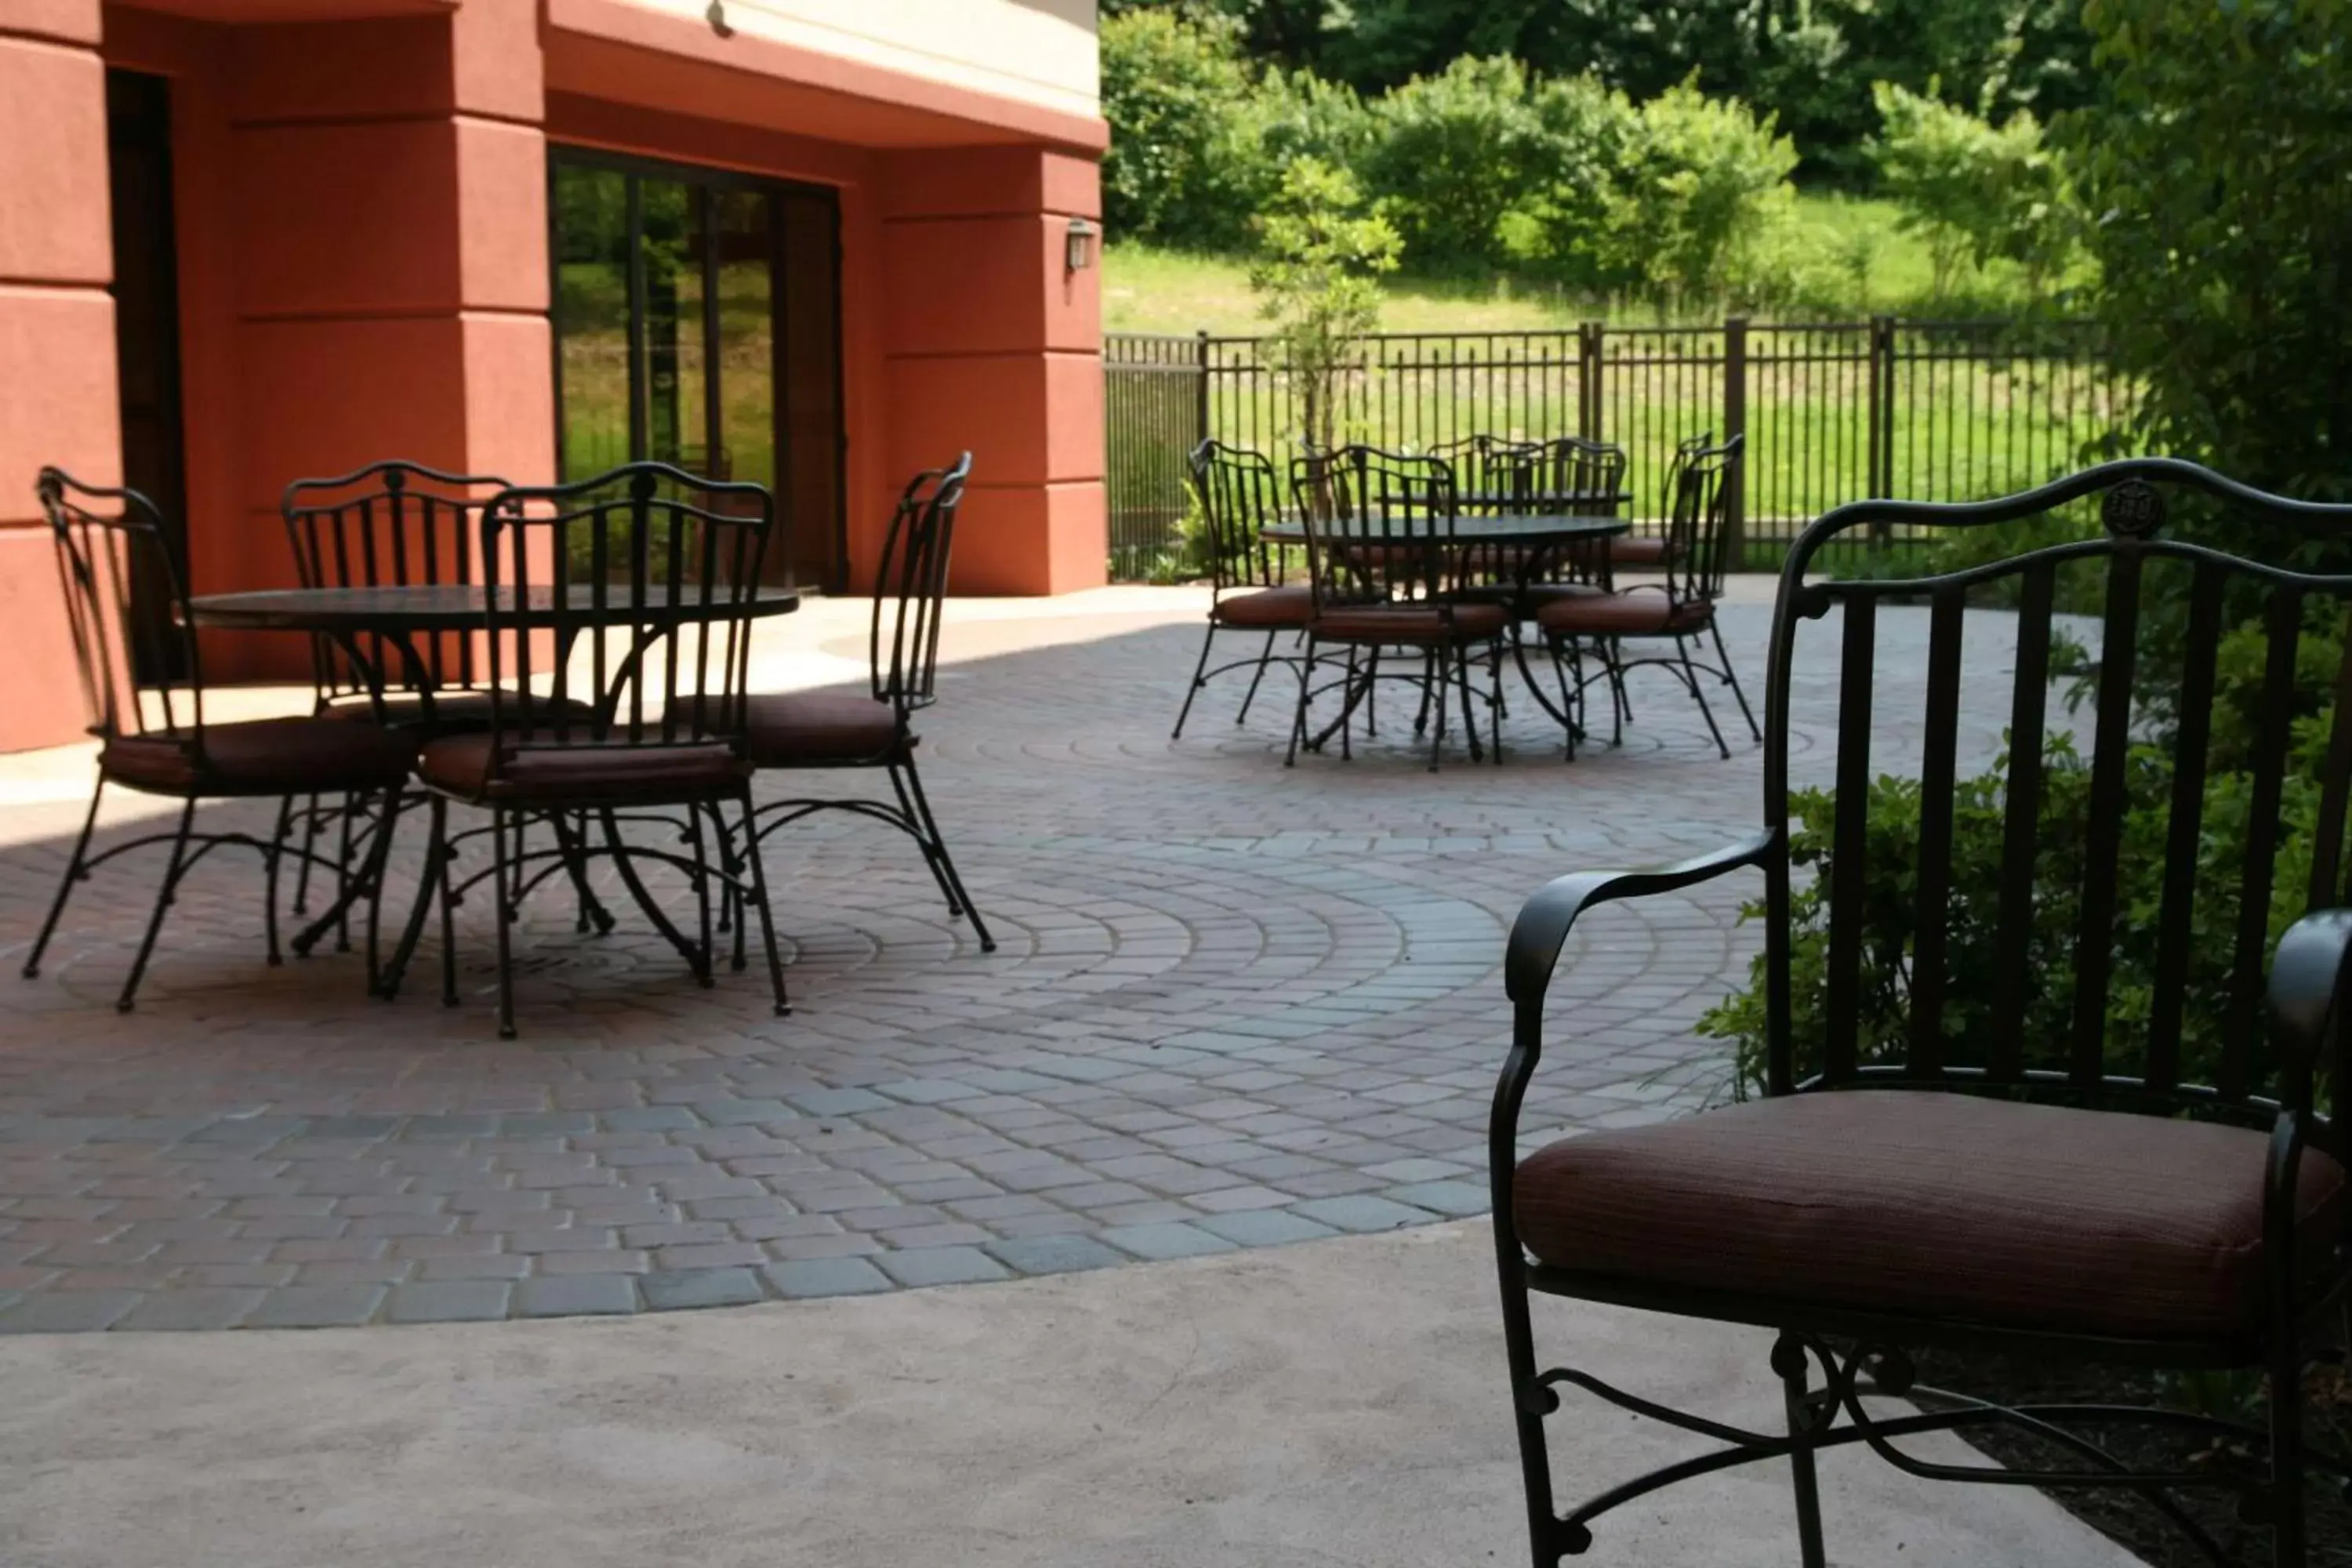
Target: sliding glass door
column 697, row 321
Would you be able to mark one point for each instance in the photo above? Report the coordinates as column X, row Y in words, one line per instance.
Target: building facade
column 821, row 244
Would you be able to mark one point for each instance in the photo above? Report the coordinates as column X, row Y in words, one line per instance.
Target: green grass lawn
column 1854, row 261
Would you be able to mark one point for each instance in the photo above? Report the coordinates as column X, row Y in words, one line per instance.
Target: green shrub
column 1974, row 191
column 1452, row 154
column 1317, row 285
column 1177, row 92
column 1890, row 918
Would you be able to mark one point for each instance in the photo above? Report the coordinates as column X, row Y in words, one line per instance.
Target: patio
column 1234, row 1006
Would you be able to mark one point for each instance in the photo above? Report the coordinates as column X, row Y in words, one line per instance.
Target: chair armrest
column 2307, row 979
column 1544, row 921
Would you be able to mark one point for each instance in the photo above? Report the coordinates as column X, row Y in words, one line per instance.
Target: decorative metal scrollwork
column 2134, row 508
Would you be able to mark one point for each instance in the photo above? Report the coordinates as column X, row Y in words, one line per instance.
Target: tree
column 1175, row 89
column 1317, row 282
column 1976, row 190
column 2218, row 174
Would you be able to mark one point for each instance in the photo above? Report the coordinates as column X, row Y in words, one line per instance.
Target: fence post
column 1199, row 387
column 1879, row 460
column 1588, row 380
column 1735, row 425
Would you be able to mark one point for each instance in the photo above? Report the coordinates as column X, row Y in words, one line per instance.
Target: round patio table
column 393, row 611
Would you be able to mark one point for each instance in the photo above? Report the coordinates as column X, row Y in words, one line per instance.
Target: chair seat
column 823, row 729
column 451, row 711
column 1411, row 624
column 1267, row 609
column 546, row 771
column 1623, row 614
column 1947, row 1205
column 1637, row 550
column 264, row 757
column 1536, row 595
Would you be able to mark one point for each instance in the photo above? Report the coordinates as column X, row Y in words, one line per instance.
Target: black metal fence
column 1832, row 412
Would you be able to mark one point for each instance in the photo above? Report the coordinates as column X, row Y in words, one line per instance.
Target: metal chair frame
column 1401, row 555
column 1866, row 1351
column 670, row 562
column 1240, row 494
column 106, row 562
column 1698, row 486
column 903, row 660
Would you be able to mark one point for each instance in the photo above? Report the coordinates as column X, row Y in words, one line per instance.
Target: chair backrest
column 391, row 524
column 1380, row 526
column 1240, row 494
column 910, row 584
column 126, row 612
column 1565, row 474
column 2016, row 893
column 1698, row 506
column 626, row 593
column 1481, row 462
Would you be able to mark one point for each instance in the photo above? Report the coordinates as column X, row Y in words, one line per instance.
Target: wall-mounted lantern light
column 1080, row 252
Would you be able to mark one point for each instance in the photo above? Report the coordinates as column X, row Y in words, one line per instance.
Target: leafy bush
column 1177, row 91
column 1890, row 920
column 1450, row 154
column 1704, row 190
column 1977, row 192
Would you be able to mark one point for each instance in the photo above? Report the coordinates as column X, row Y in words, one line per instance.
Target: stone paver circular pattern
column 1234, row 1006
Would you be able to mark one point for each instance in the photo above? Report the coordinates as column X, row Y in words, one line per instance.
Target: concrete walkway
column 1337, row 1403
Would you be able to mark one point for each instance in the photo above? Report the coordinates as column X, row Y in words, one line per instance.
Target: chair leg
column 447, row 897
column 956, row 891
column 709, row 974
column 2289, row 1547
column 1690, row 678
column 1460, row 663
column 1200, row 679
column 1789, row 1359
column 273, row 859
column 592, row 915
column 74, row 873
column 1265, row 658
column 343, row 877
column 760, row 898
column 923, row 840
column 1435, row 676
column 310, row 848
column 1298, row 720
column 1731, row 678
column 163, row 898
column 1547, row 1540
column 379, row 858
column 506, row 913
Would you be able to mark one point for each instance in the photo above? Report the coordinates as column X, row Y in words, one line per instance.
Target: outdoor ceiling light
column 1079, row 253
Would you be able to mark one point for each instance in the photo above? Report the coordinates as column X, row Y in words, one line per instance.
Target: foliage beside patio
column 2226, row 293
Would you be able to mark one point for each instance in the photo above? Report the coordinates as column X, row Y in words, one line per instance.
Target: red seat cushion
column 548, row 770
column 823, row 728
column 1413, row 624
column 1267, row 609
column 263, row 757
column 1623, row 614
column 1944, row 1204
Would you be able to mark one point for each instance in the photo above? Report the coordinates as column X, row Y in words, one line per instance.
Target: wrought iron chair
column 1649, row 552
column 393, row 524
column 1680, row 610
column 2062, row 1163
column 142, row 675
column 1388, row 574
column 1240, row 494
column 875, row 728
column 1572, row 477
column 640, row 581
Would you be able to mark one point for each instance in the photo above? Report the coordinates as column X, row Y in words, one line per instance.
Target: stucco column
column 992, row 344
column 58, row 400
column 390, row 196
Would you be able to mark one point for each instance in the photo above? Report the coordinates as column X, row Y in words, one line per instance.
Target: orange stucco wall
column 362, row 237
